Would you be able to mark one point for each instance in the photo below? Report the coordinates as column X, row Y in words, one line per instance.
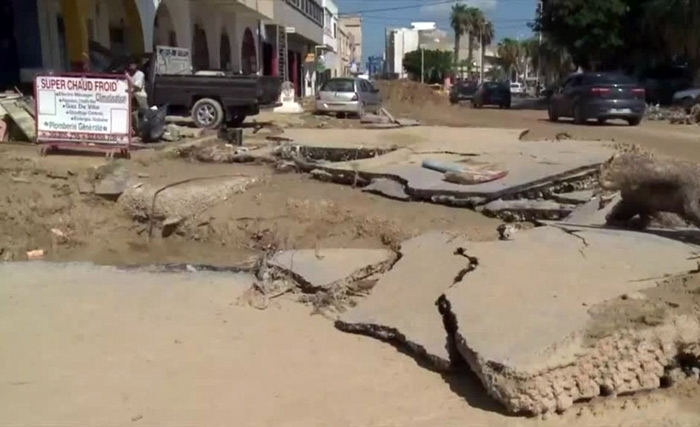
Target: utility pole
column 422, row 64
column 539, row 49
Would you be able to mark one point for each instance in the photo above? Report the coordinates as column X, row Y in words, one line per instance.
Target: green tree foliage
column 591, row 30
column 622, row 33
column 510, row 53
column 437, row 64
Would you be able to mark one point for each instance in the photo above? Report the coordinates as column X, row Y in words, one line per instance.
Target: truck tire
column 207, row 113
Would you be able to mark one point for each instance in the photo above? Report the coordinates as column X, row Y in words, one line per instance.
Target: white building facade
column 246, row 36
column 398, row 42
column 330, row 40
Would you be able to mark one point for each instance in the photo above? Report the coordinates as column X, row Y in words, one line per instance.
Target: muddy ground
column 279, row 211
column 41, row 208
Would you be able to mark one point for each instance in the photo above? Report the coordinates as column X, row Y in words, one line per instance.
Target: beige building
column 345, row 48
column 352, row 24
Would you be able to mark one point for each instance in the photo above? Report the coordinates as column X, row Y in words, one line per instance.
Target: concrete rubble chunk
column 590, row 213
column 186, row 200
column 521, row 315
column 388, row 188
column 574, row 197
column 535, row 208
column 323, row 268
column 402, row 307
column 113, row 179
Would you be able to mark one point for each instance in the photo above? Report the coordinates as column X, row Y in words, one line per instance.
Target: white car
column 517, row 87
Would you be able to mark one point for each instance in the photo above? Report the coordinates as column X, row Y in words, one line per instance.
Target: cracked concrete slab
column 529, row 164
column 402, row 307
column 387, row 188
column 574, row 197
column 590, row 213
column 521, row 315
column 323, row 268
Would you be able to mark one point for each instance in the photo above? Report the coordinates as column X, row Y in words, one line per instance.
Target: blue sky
column 510, row 17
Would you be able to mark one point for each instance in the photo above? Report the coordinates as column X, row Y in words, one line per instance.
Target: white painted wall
column 179, row 16
column 399, row 42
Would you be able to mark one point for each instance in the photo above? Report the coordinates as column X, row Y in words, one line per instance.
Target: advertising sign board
column 94, row 110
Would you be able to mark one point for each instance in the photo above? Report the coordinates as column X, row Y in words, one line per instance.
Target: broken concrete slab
column 530, row 165
column 520, row 210
column 574, row 197
column 324, row 268
column 387, row 188
column 402, row 304
column 521, row 315
column 113, row 179
column 186, row 200
column 591, row 213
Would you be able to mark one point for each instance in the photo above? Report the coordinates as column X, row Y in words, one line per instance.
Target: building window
column 335, row 29
column 310, row 9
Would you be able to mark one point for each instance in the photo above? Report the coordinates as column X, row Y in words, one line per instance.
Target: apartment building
column 353, row 27
column 426, row 35
column 345, row 51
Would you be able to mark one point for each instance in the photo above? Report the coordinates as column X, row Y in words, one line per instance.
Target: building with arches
column 42, row 35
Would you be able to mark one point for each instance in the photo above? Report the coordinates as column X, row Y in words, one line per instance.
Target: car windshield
column 339, row 85
column 609, row 79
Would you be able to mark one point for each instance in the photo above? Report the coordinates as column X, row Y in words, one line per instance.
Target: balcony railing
column 310, row 9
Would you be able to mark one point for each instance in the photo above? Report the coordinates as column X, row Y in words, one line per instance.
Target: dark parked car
column 492, row 93
column 600, row 96
column 462, row 91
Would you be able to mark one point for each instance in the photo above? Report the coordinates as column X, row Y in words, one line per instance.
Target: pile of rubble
column 674, row 115
column 17, row 115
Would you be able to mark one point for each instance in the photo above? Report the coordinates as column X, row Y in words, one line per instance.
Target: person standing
column 138, row 85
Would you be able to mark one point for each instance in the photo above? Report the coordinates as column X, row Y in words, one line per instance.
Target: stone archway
column 225, row 51
column 249, row 54
column 133, row 26
column 163, row 28
column 172, row 24
column 200, row 49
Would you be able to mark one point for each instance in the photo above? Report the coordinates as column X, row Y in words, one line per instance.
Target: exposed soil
column 279, row 211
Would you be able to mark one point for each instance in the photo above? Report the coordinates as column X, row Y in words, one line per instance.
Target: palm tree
column 486, row 33
column 474, row 17
column 509, row 52
column 458, row 22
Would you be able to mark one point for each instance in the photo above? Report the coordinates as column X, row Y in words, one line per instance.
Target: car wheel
column 579, row 119
column 552, row 115
column 506, row 105
column 635, row 121
column 601, row 121
column 207, row 113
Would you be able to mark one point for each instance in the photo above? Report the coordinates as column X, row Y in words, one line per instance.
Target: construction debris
column 18, row 113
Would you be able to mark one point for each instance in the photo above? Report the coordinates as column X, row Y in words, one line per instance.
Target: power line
column 416, row 6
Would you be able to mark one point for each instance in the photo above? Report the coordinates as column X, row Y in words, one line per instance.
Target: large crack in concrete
column 623, row 362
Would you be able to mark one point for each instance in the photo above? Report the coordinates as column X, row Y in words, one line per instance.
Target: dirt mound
column 409, row 92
